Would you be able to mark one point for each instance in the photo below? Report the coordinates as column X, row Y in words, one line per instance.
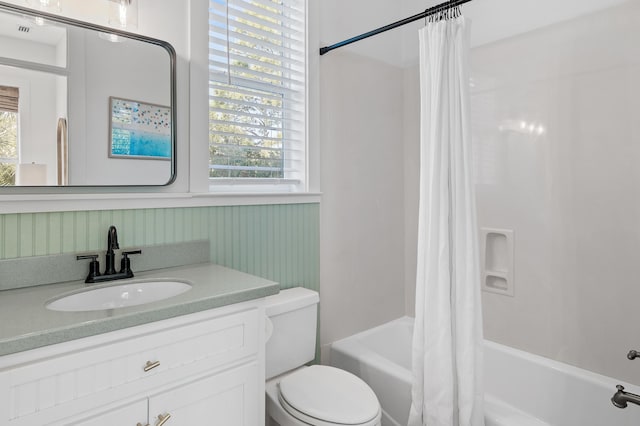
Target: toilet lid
column 329, row 394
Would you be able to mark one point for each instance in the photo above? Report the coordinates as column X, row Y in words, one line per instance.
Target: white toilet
column 318, row 395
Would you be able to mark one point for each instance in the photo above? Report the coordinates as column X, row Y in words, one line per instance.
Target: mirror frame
column 9, row 7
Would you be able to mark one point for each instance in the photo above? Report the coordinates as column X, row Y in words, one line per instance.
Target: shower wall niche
column 497, row 261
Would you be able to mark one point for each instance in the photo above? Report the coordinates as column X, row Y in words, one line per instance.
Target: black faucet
column 620, row 398
column 112, row 244
column 110, row 273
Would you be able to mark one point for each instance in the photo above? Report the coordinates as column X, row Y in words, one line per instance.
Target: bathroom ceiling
column 492, row 20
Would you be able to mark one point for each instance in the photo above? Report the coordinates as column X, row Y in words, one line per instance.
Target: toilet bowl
column 317, row 395
column 321, row 396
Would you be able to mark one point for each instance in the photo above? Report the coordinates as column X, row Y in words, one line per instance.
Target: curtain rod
column 431, row 11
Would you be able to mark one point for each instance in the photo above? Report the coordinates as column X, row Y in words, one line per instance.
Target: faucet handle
column 633, row 354
column 87, row 256
column 94, row 266
column 125, row 262
column 127, row 253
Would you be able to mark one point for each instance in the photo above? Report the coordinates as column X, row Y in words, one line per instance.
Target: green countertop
column 26, row 324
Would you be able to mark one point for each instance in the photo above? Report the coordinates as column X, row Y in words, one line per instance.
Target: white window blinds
column 257, row 99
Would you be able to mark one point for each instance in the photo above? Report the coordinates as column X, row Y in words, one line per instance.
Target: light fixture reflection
column 110, row 37
column 123, row 14
column 48, row 6
column 51, row 6
column 522, row 126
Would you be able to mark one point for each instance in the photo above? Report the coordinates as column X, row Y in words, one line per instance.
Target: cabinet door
column 128, row 415
column 230, row 398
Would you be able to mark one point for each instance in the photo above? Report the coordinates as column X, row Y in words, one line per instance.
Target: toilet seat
column 327, row 396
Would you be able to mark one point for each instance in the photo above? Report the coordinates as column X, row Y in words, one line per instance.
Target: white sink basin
column 119, row 296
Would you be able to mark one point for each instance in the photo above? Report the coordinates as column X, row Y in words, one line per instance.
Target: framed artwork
column 139, row 130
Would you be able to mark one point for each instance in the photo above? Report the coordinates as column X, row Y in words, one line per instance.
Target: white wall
column 411, row 138
column 343, row 19
column 361, row 243
column 26, row 50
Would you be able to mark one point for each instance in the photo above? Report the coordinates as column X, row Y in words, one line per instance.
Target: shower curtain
column 447, row 341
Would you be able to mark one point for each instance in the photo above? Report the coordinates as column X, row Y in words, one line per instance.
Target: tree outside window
column 257, row 88
column 8, row 135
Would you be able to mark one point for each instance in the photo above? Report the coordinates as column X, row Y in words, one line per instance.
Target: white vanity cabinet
column 132, row 414
column 216, row 399
column 202, row 368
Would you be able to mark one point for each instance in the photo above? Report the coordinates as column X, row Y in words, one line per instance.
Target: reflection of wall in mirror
column 42, row 101
column 128, row 70
column 38, row 115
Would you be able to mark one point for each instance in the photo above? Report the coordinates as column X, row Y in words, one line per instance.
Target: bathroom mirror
column 83, row 105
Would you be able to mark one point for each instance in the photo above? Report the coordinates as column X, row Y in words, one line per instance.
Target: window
column 8, row 134
column 257, row 91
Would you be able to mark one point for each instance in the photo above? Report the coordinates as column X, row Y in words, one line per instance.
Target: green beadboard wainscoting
column 277, row 242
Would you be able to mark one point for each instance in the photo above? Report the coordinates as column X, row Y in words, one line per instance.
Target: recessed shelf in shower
column 497, row 260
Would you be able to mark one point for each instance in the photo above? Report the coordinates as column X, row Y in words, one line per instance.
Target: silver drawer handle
column 151, row 365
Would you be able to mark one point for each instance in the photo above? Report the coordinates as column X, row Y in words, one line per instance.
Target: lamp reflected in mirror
column 31, row 174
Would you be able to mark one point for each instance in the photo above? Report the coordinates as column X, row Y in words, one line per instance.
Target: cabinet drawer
column 228, row 398
column 58, row 384
column 127, row 415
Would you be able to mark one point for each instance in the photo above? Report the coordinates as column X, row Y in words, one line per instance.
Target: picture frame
column 139, row 130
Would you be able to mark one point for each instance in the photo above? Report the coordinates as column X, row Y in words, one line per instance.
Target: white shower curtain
column 447, row 340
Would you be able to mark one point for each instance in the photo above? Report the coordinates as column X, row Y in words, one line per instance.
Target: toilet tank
column 291, row 329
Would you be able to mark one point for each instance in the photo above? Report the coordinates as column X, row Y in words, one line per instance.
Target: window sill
column 38, row 203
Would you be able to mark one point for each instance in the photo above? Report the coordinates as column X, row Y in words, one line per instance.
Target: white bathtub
column 521, row 389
